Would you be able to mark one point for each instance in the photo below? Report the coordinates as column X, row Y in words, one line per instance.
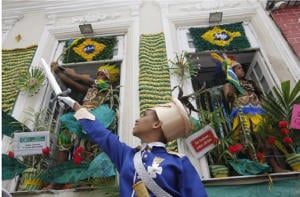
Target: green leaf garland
column 14, row 61
column 154, row 78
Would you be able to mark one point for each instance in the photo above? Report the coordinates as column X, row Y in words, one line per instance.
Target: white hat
column 174, row 119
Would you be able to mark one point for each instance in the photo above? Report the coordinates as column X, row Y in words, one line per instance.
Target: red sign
column 202, row 141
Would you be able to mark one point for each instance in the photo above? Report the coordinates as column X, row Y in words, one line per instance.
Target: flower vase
column 294, row 161
column 31, row 179
column 219, row 171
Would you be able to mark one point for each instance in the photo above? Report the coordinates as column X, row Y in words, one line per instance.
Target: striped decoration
column 154, row 78
column 14, row 62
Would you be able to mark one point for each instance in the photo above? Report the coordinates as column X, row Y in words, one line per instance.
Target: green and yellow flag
column 222, row 37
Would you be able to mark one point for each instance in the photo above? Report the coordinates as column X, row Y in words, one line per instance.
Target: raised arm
column 69, row 77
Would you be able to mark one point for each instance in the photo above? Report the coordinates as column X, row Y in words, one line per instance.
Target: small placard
column 295, row 120
column 30, row 143
column 202, row 141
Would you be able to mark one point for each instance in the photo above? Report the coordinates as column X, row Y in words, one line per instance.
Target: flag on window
column 89, row 49
column 222, row 37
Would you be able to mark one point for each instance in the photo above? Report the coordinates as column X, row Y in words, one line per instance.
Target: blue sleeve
column 108, row 141
column 190, row 182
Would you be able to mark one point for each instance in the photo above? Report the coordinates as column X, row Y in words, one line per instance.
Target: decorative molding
column 9, row 20
column 76, row 11
column 95, row 17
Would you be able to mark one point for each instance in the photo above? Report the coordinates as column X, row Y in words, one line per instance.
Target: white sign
column 202, row 141
column 30, row 143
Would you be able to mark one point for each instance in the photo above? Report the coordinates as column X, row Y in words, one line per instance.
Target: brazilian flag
column 222, row 37
column 89, row 49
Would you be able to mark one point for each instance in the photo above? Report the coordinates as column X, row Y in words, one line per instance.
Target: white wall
column 30, row 27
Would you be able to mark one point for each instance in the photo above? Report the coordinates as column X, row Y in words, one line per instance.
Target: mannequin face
column 239, row 71
column 145, row 124
column 101, row 75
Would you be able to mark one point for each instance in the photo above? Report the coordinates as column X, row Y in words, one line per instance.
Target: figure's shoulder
column 179, row 155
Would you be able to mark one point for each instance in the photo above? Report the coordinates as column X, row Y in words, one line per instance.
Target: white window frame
column 258, row 71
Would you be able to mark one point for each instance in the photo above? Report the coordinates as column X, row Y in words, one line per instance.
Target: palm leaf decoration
column 280, row 106
column 30, row 81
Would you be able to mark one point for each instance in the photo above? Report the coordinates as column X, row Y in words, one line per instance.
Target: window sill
column 251, row 179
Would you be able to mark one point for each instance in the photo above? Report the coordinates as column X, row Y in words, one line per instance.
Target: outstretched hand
column 67, row 100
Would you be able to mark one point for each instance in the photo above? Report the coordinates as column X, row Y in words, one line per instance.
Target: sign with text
column 202, row 141
column 30, row 143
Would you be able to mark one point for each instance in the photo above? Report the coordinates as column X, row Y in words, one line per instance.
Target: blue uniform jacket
column 176, row 175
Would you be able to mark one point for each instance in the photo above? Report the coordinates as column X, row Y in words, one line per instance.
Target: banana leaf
column 248, row 167
column 102, row 113
column 11, row 125
column 11, row 167
column 101, row 166
column 67, row 172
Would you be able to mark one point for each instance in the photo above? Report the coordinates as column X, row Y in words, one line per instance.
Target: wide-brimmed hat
column 174, row 119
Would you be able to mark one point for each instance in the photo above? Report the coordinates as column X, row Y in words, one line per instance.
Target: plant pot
column 294, row 161
column 31, row 179
column 219, row 171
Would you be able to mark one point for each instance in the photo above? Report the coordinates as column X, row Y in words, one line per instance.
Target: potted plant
column 278, row 109
column 34, row 165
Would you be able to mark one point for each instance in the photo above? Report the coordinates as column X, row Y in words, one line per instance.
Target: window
column 93, row 88
column 209, row 81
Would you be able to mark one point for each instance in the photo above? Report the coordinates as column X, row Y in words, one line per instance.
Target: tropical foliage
column 278, row 109
column 30, row 81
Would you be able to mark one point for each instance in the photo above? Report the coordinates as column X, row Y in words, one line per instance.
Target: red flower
column 77, row 155
column 260, row 156
column 287, row 140
column 283, row 124
column 46, row 150
column 233, row 149
column 11, row 154
column 79, row 149
column 271, row 140
column 239, row 147
column 77, row 159
column 284, row 131
column 67, row 186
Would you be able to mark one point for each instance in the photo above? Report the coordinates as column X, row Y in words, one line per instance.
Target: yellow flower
column 88, row 49
column 220, row 37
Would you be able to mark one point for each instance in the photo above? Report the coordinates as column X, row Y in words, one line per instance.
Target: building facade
column 272, row 56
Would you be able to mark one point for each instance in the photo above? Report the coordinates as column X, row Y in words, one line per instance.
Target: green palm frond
column 280, row 106
column 30, row 81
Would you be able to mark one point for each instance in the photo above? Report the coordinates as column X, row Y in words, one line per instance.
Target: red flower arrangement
column 260, row 156
column 77, row 158
column 286, row 140
column 271, row 140
column 46, row 150
column 233, row 149
column 11, row 154
column 283, row 124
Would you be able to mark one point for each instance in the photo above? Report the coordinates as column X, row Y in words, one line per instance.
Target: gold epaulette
column 180, row 155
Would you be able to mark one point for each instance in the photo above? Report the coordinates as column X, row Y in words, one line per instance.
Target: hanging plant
column 30, row 81
column 182, row 66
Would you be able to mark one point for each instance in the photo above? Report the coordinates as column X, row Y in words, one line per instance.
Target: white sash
column 149, row 182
